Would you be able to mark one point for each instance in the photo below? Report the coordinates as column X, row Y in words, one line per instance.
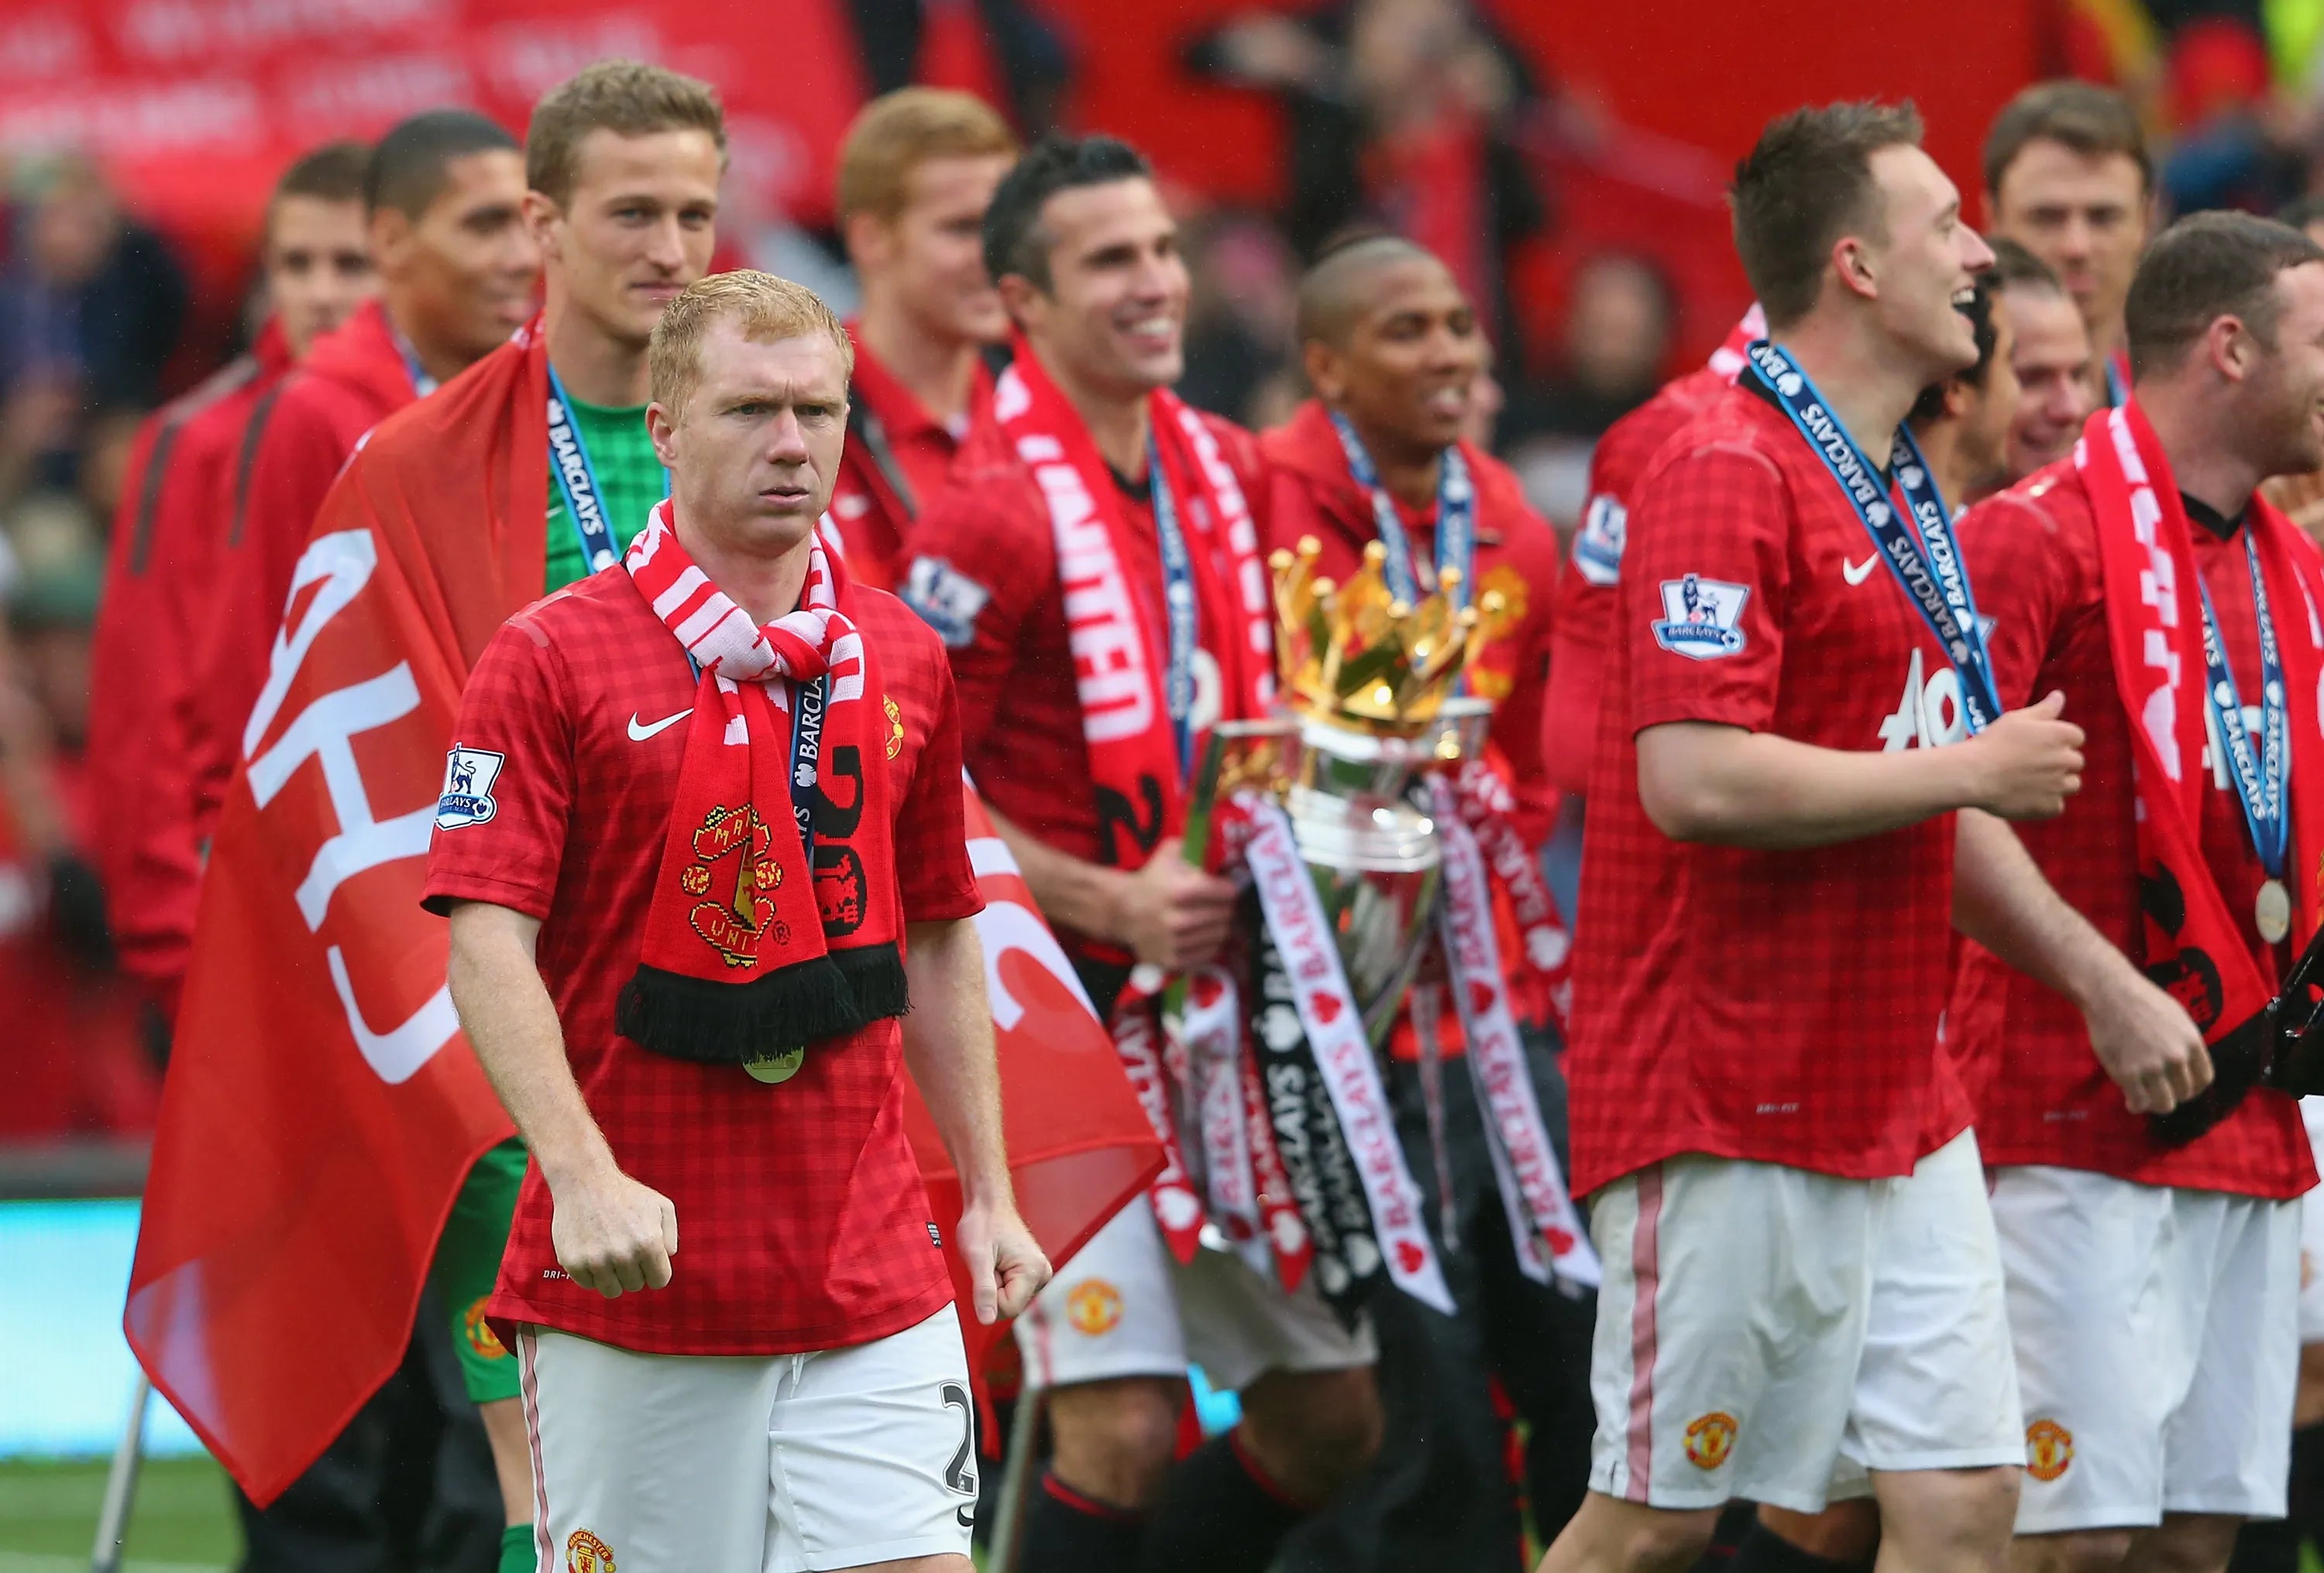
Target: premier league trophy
column 1323, row 808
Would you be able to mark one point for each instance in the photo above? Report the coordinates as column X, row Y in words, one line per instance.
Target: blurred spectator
column 1238, row 316
column 2233, row 145
column 1617, row 334
column 1401, row 113
column 91, row 304
column 1002, row 50
column 74, row 1064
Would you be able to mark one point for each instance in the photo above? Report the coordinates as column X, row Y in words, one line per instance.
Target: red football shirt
column 1581, row 616
column 984, row 567
column 1780, row 1006
column 802, row 1223
column 2040, row 1095
column 896, row 460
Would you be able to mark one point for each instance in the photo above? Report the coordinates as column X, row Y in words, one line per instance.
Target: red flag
column 322, row 1109
column 1079, row 1145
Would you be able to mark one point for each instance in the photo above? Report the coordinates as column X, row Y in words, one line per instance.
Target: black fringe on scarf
column 727, row 1023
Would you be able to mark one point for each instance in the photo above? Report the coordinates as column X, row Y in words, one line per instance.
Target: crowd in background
column 1418, row 114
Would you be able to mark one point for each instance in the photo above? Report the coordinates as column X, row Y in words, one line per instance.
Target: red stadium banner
column 322, row 1108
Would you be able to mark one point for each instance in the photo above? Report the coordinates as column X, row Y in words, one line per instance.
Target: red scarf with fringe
column 752, row 949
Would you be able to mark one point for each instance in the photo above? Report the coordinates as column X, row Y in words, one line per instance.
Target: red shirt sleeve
column 933, row 872
column 508, row 780
column 2024, row 586
column 1705, row 575
column 978, row 569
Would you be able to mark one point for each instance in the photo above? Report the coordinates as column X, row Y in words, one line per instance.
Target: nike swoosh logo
column 1856, row 573
column 639, row 734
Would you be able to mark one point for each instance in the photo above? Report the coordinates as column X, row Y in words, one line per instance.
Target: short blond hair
column 900, row 131
column 770, row 308
column 626, row 97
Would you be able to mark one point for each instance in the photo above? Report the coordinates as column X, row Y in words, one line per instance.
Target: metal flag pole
column 1017, row 1480
column 120, row 1482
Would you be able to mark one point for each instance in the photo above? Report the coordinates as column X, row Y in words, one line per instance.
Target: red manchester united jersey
column 802, row 1223
column 1780, row 1006
column 2040, row 1093
column 1582, row 618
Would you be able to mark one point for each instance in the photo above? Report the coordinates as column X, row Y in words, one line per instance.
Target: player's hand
column 1172, row 914
column 2030, row 762
column 2147, row 1043
column 612, row 1233
column 1006, row 1266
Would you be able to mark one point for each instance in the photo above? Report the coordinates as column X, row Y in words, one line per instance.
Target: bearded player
column 1801, row 1286
column 1081, row 736
column 2154, row 1268
column 620, row 174
column 1394, row 350
column 685, row 962
column 145, row 759
column 916, row 174
column 2068, row 177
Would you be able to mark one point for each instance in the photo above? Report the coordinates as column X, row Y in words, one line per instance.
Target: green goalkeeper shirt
column 629, row 475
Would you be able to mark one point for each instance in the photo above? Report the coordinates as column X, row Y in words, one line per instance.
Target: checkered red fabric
column 1780, row 1006
column 802, row 1224
column 1582, row 615
column 984, row 569
column 2025, row 1053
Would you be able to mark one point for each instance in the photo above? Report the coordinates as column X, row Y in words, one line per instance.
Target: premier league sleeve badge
column 1699, row 617
column 468, row 796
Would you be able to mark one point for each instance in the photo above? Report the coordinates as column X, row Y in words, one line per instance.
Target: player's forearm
column 948, row 1049
column 511, row 1024
column 2002, row 901
column 1070, row 891
column 1727, row 787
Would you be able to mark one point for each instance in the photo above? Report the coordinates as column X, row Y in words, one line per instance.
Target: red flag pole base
column 120, row 1482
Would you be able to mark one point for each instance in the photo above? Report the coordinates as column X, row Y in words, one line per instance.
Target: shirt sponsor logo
column 946, row 599
column 468, row 796
column 1597, row 547
column 1700, row 617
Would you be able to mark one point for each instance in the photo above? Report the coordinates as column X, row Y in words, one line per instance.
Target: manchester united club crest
column 1709, row 1439
column 1094, row 1307
column 483, row 1342
column 733, row 868
column 586, row 1553
column 2049, row 1450
column 895, row 726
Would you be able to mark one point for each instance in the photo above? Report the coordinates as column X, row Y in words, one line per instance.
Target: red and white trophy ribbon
column 1335, row 1026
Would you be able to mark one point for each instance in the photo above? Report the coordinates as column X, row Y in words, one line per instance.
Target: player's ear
column 661, row 426
column 540, row 216
column 389, row 230
column 1326, row 374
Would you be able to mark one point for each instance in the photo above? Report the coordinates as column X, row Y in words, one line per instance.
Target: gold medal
column 772, row 1068
column 2272, row 911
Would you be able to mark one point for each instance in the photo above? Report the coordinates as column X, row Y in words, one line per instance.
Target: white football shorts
column 2312, row 1231
column 1772, row 1334
column 756, row 1464
column 1122, row 1307
column 2158, row 1345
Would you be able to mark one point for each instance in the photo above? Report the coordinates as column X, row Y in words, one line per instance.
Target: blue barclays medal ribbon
column 576, row 479
column 1456, row 521
column 2262, row 777
column 1179, row 606
column 1922, row 553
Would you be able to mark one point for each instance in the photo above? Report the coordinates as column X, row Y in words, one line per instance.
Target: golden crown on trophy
column 1353, row 655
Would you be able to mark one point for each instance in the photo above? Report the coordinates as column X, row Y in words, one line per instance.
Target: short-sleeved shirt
column 1582, row 618
column 628, row 472
column 2041, row 1095
column 1774, row 1005
column 802, row 1222
column 983, row 571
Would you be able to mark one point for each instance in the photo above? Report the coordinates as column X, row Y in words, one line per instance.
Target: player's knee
column 1845, row 1532
column 1635, row 1539
column 1950, row 1521
column 1113, row 1441
column 2308, row 1400
column 2075, row 1551
column 2188, row 1542
column 1314, row 1431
